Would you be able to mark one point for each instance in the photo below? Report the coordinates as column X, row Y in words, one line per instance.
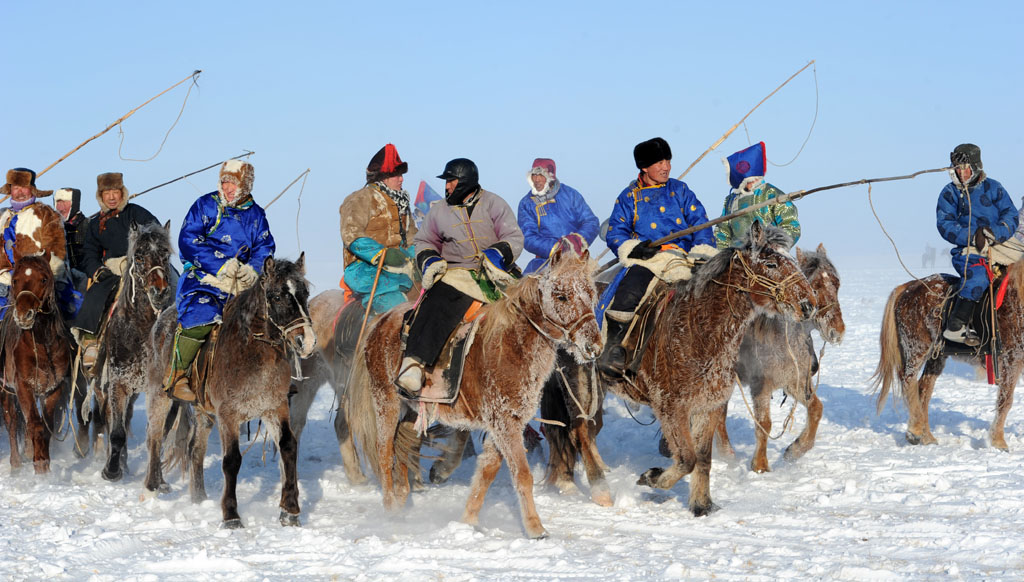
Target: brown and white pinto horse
column 686, row 373
column 911, row 338
column 37, row 359
column 504, row 371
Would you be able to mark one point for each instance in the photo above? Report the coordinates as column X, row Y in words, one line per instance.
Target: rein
column 774, row 289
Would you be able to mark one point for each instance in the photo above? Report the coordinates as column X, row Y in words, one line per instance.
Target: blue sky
column 324, row 85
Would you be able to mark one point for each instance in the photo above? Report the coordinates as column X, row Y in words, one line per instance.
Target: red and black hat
column 385, row 164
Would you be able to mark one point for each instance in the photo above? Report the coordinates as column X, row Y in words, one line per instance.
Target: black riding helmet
column 463, row 170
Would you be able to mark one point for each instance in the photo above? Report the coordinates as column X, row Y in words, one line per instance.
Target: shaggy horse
column 686, row 373
column 126, row 355
column 265, row 331
column 911, row 338
column 36, row 359
column 505, row 368
column 778, row 353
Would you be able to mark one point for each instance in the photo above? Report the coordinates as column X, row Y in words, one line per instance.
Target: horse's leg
column 99, row 417
column 230, row 466
column 410, row 479
column 13, row 421
column 35, row 430
column 82, row 420
column 561, row 448
column 289, row 448
column 761, row 394
column 117, row 457
column 510, row 443
column 197, row 443
column 586, row 434
column 675, row 425
column 700, row 479
column 347, row 446
column 809, row 398
column 451, row 457
column 158, row 408
column 1004, row 400
column 724, row 444
column 51, row 402
column 487, row 464
column 920, row 394
column 387, row 424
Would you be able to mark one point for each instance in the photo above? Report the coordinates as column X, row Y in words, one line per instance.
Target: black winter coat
column 112, row 242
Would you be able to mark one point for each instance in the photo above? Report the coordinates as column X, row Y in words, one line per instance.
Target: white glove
column 245, row 277
column 116, row 265
column 224, row 285
column 496, row 274
column 228, row 270
column 433, row 273
column 5, row 278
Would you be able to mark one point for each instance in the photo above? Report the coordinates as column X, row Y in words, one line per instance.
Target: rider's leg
column 439, row 314
column 187, row 342
column 619, row 315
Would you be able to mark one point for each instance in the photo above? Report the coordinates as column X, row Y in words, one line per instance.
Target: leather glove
column 101, row 274
column 433, row 269
column 246, row 277
column 644, row 251
column 116, row 265
column 393, row 257
column 982, row 238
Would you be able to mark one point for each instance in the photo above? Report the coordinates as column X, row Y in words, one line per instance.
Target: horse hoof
column 232, row 524
column 702, row 510
column 436, row 477
column 111, row 476
column 602, row 498
column 198, row 498
column 920, row 440
column 650, row 477
column 542, row 535
column 289, row 519
column 164, row 487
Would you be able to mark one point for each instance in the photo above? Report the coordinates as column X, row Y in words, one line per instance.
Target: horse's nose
column 806, row 308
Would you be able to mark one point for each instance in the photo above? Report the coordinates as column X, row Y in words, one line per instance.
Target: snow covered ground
column 862, row 505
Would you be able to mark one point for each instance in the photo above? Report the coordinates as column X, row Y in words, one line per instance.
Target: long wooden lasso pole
column 245, row 155
column 740, row 122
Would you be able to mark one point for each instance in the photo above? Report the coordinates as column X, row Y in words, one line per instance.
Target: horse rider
column 376, row 226
column 649, row 208
column 223, row 243
column 550, row 211
column 465, row 249
column 746, row 177
column 104, row 256
column 68, row 203
column 973, row 213
column 31, row 227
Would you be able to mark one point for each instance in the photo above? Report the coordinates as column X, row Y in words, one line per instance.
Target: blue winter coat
column 544, row 222
column 211, row 234
column 988, row 205
column 651, row 212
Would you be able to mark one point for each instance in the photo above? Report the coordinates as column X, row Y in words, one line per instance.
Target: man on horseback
column 746, row 176
column 550, row 211
column 377, row 226
column 68, row 202
column 222, row 244
column 973, row 212
column 466, row 248
column 31, row 227
column 103, row 257
column 652, row 206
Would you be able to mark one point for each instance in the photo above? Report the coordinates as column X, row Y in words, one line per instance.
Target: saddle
column 640, row 331
column 441, row 381
column 981, row 320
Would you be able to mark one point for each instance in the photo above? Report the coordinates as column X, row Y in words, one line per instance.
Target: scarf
column 19, row 206
column 399, row 197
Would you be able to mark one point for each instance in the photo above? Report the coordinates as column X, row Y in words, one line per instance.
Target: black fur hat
column 966, row 153
column 650, row 152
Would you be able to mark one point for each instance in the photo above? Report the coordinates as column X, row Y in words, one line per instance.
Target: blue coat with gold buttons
column 651, row 212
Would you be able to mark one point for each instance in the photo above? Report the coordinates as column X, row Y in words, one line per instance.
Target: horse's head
column 32, row 289
column 288, row 302
column 568, row 297
column 823, row 278
column 149, row 262
column 771, row 276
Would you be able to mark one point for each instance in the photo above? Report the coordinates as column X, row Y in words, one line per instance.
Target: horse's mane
column 1016, row 273
column 243, row 308
column 706, row 273
column 814, row 261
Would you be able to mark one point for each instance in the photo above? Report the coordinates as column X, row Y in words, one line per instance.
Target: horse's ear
column 301, row 263
column 821, row 248
column 268, row 265
column 799, row 255
column 757, row 234
column 556, row 254
column 167, row 226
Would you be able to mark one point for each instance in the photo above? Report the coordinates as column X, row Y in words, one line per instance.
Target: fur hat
column 240, row 173
column 650, row 152
column 967, row 153
column 385, row 164
column 23, row 177
column 745, row 164
column 111, row 181
column 543, row 167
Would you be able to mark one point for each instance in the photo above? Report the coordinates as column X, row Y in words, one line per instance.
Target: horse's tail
column 180, row 420
column 360, row 411
column 891, row 357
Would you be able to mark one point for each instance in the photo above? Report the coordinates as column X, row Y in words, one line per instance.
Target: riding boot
column 958, row 327
column 177, row 380
column 613, row 358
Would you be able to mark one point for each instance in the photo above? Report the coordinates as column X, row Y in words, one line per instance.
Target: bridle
column 772, row 288
column 144, row 278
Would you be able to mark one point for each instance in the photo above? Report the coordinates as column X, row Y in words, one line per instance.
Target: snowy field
column 862, row 505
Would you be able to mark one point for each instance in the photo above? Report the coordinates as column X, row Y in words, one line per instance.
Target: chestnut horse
column 36, row 359
column 686, row 373
column 504, row 371
column 911, row 338
column 265, row 331
column 779, row 354
column 126, row 355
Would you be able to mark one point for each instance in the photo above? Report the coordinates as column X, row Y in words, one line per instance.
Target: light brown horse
column 686, row 373
column 911, row 338
column 37, row 359
column 264, row 330
column 779, row 354
column 505, row 368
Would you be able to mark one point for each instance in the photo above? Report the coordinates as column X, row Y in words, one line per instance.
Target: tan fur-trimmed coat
column 39, row 229
column 372, row 213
